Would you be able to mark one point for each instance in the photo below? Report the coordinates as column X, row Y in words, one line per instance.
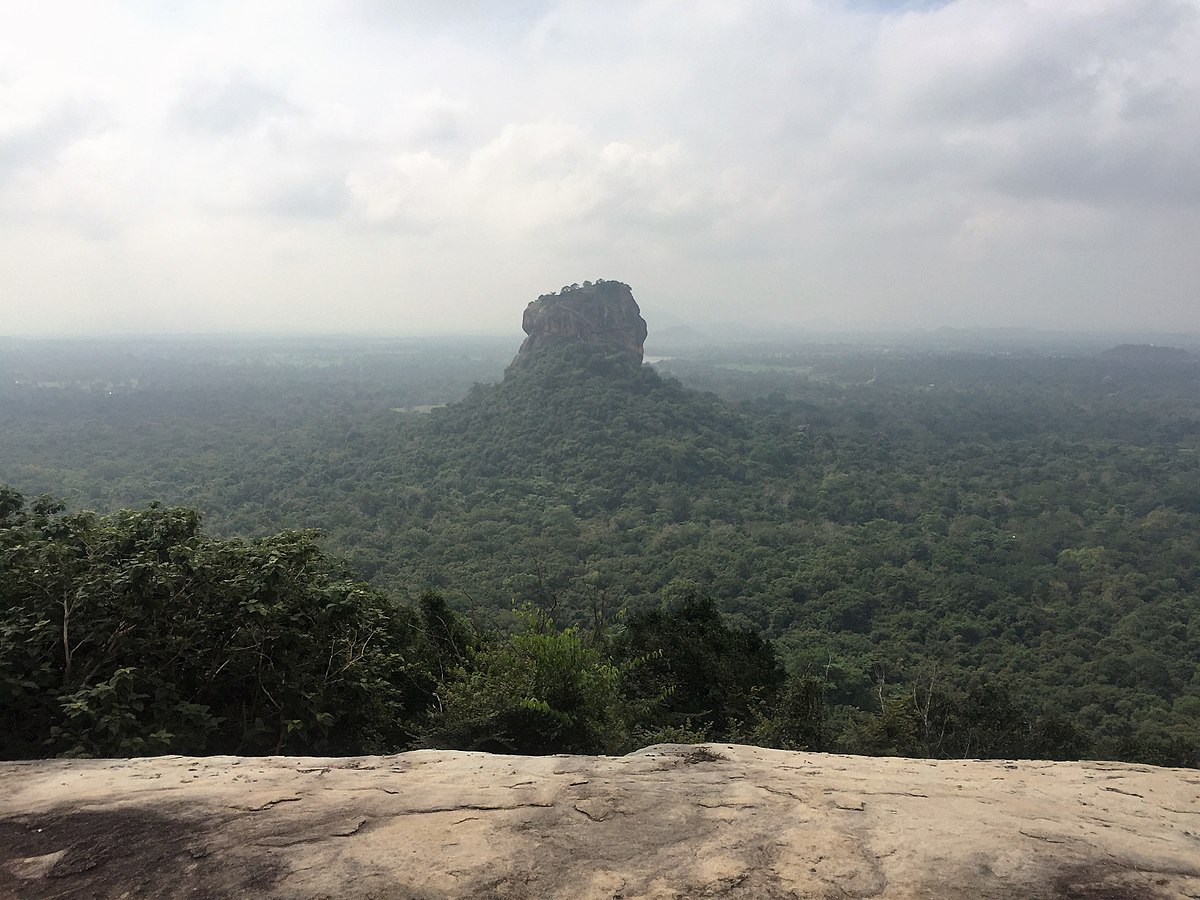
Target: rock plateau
column 671, row 821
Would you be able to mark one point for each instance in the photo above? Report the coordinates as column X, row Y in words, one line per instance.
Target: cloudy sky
column 407, row 167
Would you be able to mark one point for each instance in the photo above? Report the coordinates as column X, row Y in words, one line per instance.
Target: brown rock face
column 600, row 313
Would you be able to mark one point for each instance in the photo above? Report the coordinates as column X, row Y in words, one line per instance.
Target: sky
column 392, row 167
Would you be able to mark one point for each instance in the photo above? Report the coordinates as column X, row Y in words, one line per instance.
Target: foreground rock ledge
column 669, row 821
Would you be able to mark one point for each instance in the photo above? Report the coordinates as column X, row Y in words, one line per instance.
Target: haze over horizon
column 364, row 166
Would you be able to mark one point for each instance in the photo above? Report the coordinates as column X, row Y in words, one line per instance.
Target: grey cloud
column 1086, row 107
column 496, row 19
column 894, row 7
column 317, row 199
column 231, row 106
column 1151, row 170
column 37, row 145
column 442, row 126
column 1008, row 88
column 1063, row 64
column 1150, row 101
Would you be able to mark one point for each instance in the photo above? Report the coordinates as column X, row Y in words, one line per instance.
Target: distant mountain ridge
column 1148, row 353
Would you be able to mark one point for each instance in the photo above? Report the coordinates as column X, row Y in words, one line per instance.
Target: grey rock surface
column 670, row 821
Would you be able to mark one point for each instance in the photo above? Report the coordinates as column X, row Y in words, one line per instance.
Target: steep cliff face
column 600, row 313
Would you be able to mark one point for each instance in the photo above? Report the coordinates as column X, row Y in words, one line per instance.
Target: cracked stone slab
column 671, row 821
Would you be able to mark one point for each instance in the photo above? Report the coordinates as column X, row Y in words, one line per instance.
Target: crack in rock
column 265, row 806
column 1126, row 793
column 471, row 807
column 596, row 809
column 312, row 836
column 777, row 791
column 1042, row 837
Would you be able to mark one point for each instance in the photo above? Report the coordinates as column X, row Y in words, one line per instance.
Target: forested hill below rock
column 669, row 822
column 913, row 530
column 589, row 425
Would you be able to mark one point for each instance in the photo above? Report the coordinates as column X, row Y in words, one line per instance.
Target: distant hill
column 1149, row 354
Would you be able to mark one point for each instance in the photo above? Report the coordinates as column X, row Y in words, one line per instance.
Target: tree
column 539, row 690
column 136, row 634
column 695, row 670
column 798, row 720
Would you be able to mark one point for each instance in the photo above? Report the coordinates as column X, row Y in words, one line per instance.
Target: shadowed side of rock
column 602, row 313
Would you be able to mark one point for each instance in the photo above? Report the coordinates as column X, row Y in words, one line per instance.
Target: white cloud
column 411, row 191
column 853, row 160
column 235, row 104
column 547, row 181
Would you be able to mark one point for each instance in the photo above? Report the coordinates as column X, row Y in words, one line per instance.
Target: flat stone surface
column 670, row 821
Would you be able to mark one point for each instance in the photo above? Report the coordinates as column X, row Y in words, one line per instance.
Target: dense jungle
column 923, row 545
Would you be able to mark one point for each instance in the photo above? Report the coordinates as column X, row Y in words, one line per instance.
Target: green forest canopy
column 917, row 535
